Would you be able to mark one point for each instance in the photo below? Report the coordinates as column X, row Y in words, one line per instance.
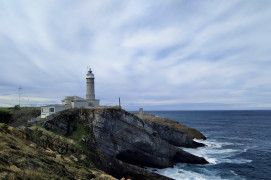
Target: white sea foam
column 245, row 150
column 212, row 160
column 250, row 147
column 177, row 173
column 234, row 173
column 240, row 138
column 214, row 152
column 236, row 161
column 218, row 152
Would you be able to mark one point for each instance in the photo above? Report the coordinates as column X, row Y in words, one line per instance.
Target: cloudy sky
column 156, row 54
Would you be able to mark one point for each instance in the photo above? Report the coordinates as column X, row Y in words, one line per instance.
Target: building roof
column 73, row 98
column 53, row 105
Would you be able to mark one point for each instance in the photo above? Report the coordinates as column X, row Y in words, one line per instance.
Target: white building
column 52, row 109
column 75, row 101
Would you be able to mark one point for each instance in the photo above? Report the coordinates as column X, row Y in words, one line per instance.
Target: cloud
column 156, row 54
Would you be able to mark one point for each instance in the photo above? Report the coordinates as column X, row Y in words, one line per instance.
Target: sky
column 155, row 54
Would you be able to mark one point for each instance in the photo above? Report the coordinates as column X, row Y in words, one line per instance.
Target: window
column 51, row 109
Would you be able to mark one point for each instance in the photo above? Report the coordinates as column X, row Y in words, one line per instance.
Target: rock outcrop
column 126, row 137
column 89, row 154
column 109, row 139
column 174, row 132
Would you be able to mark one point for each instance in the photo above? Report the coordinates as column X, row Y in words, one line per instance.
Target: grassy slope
column 10, row 109
column 21, row 158
column 5, row 109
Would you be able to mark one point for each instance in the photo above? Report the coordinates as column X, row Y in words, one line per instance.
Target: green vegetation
column 5, row 116
column 39, row 131
column 81, row 134
column 76, row 139
column 3, row 127
column 18, row 117
column 6, row 109
column 54, row 131
column 21, row 158
column 10, row 109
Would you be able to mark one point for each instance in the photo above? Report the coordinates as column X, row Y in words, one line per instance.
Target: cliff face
column 80, row 141
column 174, row 132
column 123, row 135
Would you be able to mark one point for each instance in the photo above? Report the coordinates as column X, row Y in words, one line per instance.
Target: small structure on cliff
column 90, row 101
column 75, row 101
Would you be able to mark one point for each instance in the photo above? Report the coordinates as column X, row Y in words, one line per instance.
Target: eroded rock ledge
column 175, row 133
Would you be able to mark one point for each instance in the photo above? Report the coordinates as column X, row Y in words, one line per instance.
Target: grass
column 3, row 127
column 20, row 160
column 12, row 108
column 6, row 109
column 54, row 131
column 74, row 140
column 50, row 132
column 78, row 135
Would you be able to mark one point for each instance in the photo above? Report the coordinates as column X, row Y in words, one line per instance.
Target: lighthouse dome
column 90, row 74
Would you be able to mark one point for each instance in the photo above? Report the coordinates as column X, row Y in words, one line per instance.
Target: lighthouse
column 75, row 101
column 90, row 101
column 90, row 91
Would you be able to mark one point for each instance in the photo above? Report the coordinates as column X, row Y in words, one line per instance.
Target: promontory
column 95, row 143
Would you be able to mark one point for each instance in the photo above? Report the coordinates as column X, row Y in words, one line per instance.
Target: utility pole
column 20, row 88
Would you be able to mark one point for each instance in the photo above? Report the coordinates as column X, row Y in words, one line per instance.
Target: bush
column 17, row 107
column 5, row 117
column 21, row 116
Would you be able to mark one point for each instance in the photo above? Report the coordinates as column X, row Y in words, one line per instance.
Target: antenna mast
column 20, row 93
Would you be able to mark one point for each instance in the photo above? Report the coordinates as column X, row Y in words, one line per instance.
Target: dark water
column 238, row 144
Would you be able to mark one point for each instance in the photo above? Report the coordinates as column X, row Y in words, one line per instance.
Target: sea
column 238, row 145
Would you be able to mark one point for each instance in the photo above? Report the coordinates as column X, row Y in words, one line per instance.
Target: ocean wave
column 214, row 152
column 239, row 138
column 236, row 161
column 179, row 173
column 249, row 147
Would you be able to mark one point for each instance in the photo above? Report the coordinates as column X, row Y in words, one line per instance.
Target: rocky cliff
column 115, row 141
column 128, row 138
column 175, row 133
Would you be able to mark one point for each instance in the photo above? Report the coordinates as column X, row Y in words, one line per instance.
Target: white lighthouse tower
column 90, row 91
column 75, row 101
